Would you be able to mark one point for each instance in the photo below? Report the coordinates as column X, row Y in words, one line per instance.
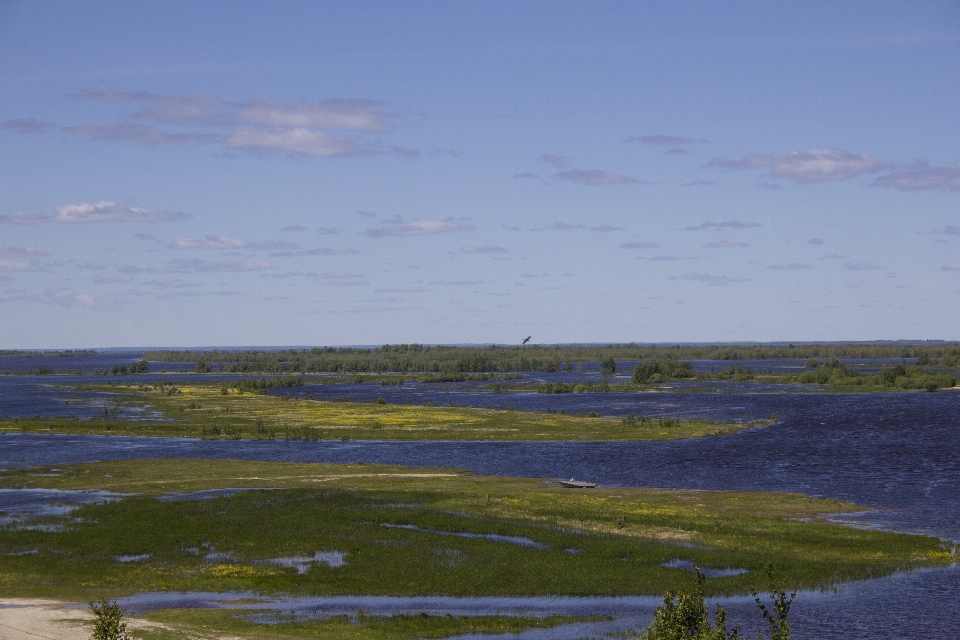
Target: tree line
column 411, row 358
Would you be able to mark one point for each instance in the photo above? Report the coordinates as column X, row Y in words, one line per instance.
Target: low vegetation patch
column 315, row 529
column 216, row 411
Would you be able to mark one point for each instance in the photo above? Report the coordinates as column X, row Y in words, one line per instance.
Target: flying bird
column 526, row 340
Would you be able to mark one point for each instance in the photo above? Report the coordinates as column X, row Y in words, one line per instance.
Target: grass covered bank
column 315, row 529
column 216, row 411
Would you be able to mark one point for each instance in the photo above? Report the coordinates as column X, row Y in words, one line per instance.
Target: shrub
column 107, row 623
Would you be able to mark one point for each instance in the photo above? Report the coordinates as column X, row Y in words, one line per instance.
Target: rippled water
column 898, row 453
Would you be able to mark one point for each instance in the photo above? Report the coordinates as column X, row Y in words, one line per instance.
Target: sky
column 326, row 173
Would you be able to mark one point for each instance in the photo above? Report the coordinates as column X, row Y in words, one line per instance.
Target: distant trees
column 659, row 370
column 608, row 365
column 140, row 367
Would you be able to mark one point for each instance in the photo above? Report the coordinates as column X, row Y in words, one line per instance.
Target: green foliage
column 260, row 385
column 777, row 617
column 608, row 365
column 683, row 615
column 659, row 370
column 107, row 623
column 140, row 367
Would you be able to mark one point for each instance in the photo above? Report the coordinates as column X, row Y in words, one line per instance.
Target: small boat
column 577, row 484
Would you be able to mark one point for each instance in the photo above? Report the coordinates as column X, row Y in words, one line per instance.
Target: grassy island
column 401, row 531
column 216, row 411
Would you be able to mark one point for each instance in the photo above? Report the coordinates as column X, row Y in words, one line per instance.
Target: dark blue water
column 897, row 453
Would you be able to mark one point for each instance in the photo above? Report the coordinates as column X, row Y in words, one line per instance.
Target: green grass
column 623, row 535
column 202, row 410
column 178, row 624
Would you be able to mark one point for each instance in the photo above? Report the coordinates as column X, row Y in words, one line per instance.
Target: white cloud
column 729, row 224
column 923, row 177
column 639, row 245
column 792, row 266
column 322, row 251
column 806, row 167
column 357, row 115
column 728, row 243
column 595, row 177
column 302, row 141
column 13, row 266
column 250, row 264
column 103, row 211
column 217, row 242
column 487, row 248
column 68, row 297
column 419, row 228
column 566, row 226
column 22, row 252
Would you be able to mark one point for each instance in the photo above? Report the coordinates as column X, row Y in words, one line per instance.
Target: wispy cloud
column 201, row 109
column 403, row 288
column 720, row 226
column 22, row 252
column 952, row 231
column 328, row 231
column 815, row 241
column 664, row 140
column 457, row 283
column 103, row 211
column 65, row 297
column 566, row 226
column 27, row 126
column 791, row 266
column 301, row 141
column 639, row 245
column 217, row 242
column 953, row 266
column 728, row 243
column 859, row 266
column 168, row 284
column 16, row 266
column 419, row 228
column 486, row 248
column 139, row 134
column 806, row 167
column 557, row 162
column 112, row 278
column 923, row 177
column 835, row 256
column 708, row 279
column 293, row 227
column 595, row 177
column 322, row 251
column 250, row 264
column 258, row 125
column 343, row 278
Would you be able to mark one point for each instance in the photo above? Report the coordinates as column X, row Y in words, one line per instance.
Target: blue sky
column 227, row 173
